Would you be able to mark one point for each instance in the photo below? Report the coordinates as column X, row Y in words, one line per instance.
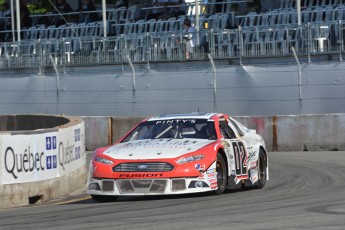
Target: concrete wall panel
column 311, row 132
column 121, row 125
column 281, row 133
column 97, row 131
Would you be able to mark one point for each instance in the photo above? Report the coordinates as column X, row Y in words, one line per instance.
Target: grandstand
column 128, row 35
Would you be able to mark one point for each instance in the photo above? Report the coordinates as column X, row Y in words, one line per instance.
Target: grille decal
column 144, row 167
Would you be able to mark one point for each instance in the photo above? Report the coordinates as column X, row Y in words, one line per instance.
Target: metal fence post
column 299, row 80
column 214, row 83
column 134, row 84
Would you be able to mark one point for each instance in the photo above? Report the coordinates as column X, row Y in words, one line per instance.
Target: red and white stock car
column 178, row 154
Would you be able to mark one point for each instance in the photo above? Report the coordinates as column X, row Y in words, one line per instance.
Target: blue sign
column 77, row 135
column 54, row 142
column 49, row 162
column 48, row 143
column 54, row 162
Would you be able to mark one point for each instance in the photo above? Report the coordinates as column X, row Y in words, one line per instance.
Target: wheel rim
column 220, row 174
column 262, row 171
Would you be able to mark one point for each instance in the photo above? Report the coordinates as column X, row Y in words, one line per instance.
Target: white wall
column 48, row 163
column 184, row 87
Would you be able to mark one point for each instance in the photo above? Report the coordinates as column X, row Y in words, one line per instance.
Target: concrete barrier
column 42, row 158
column 281, row 133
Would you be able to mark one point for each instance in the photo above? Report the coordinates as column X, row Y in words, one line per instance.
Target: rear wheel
column 101, row 198
column 262, row 170
column 222, row 175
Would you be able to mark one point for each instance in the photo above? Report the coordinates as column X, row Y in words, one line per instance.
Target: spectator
column 180, row 9
column 219, row 6
column 266, row 6
column 62, row 7
column 190, row 37
column 121, row 3
column 5, row 21
column 159, row 9
column 25, row 19
column 234, row 11
column 87, row 5
column 254, row 6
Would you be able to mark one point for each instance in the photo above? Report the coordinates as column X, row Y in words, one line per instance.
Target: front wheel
column 262, row 170
column 101, row 198
column 222, row 175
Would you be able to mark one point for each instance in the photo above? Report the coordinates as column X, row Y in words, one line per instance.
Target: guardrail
column 264, row 41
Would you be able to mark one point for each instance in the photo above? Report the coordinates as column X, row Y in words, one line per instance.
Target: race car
column 179, row 154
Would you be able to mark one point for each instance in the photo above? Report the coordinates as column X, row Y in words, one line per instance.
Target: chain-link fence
column 68, row 49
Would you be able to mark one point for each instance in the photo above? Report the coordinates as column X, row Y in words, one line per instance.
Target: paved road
column 306, row 191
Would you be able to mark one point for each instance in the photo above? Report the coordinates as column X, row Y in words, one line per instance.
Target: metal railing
column 264, row 41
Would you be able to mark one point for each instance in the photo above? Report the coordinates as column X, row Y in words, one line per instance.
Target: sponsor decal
column 212, row 175
column 253, row 164
column 200, row 166
column 167, row 143
column 254, row 175
column 237, row 180
column 225, row 144
column 211, row 171
column 176, row 121
column 212, row 180
column 214, row 185
column 251, row 153
column 146, row 175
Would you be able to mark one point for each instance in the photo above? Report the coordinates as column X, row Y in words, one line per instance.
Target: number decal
column 240, row 155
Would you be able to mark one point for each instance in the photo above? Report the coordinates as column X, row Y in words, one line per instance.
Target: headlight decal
column 188, row 159
column 103, row 160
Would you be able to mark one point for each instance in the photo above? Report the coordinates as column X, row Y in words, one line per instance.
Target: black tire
column 101, row 198
column 262, row 170
column 222, row 175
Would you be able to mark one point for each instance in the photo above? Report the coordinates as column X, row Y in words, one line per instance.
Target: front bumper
column 161, row 186
column 154, row 183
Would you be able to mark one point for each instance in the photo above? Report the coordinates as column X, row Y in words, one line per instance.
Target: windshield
column 173, row 129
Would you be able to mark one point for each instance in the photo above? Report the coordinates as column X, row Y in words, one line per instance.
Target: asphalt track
column 306, row 191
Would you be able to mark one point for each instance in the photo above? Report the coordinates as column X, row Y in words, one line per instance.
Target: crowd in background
column 160, row 9
column 60, row 12
column 164, row 9
column 63, row 13
column 5, row 19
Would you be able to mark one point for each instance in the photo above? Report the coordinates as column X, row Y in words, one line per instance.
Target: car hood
column 155, row 149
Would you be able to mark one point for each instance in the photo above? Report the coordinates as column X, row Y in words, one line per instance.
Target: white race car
column 177, row 154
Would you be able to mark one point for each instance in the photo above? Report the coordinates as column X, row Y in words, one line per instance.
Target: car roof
column 195, row 115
